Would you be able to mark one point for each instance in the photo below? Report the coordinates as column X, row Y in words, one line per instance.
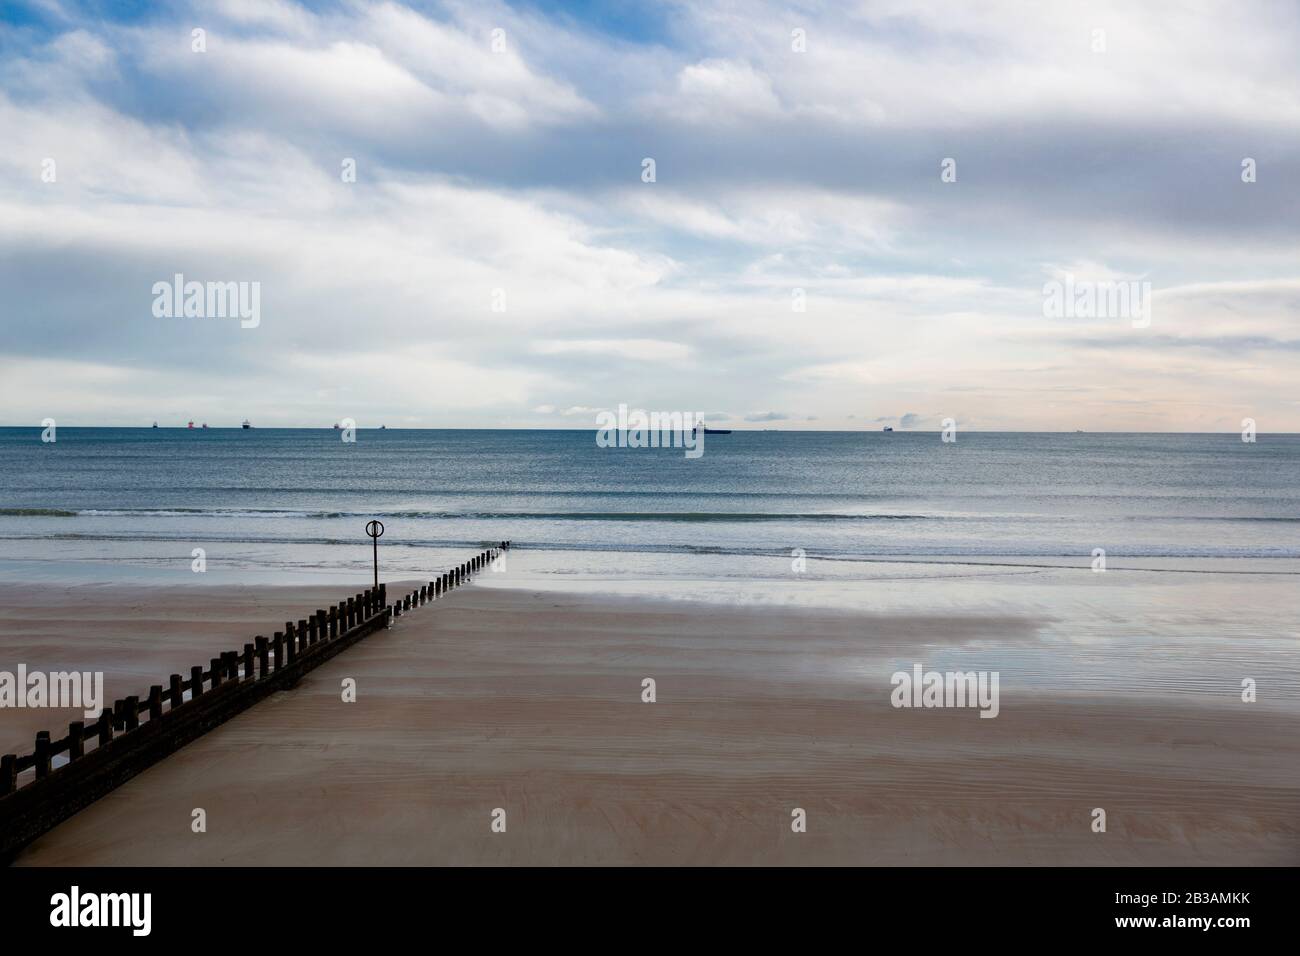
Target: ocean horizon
column 283, row 502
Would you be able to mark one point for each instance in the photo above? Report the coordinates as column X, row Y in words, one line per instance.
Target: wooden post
column 215, row 667
column 105, row 726
column 277, row 646
column 290, row 642
column 196, row 682
column 76, row 739
column 248, row 661
column 322, row 624
column 352, row 613
column 263, row 668
column 8, row 773
column 42, row 754
column 312, row 636
column 155, row 702
column 175, row 691
column 132, row 711
column 334, row 623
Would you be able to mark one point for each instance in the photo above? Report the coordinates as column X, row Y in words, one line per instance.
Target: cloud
column 512, row 178
column 641, row 350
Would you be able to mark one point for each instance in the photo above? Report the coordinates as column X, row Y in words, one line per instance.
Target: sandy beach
column 530, row 701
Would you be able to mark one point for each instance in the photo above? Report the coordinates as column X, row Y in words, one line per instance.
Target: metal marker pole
column 375, row 529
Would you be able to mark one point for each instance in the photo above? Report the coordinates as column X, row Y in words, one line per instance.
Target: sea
column 271, row 504
column 1143, row 561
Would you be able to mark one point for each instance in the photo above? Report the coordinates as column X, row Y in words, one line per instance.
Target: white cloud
column 648, row 350
column 518, row 172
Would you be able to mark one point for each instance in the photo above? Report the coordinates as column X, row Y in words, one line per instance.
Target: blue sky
column 512, row 176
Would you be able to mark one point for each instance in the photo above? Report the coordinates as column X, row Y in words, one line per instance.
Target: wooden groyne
column 41, row 789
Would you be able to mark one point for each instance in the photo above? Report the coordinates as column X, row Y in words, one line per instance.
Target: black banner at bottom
column 333, row 906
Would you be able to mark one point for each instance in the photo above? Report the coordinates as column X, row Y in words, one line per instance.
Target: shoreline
column 530, row 701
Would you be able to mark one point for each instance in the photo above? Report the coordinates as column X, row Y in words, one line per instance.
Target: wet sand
column 531, row 702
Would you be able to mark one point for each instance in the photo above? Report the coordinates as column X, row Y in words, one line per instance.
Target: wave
column 669, row 517
column 878, row 551
column 274, row 513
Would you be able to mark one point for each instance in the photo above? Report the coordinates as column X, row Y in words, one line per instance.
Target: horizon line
column 731, row 428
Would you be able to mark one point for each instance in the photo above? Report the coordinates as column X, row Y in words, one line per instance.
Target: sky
column 857, row 216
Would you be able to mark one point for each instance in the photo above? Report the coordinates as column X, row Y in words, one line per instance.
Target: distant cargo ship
column 247, row 424
column 714, row 431
column 888, row 428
